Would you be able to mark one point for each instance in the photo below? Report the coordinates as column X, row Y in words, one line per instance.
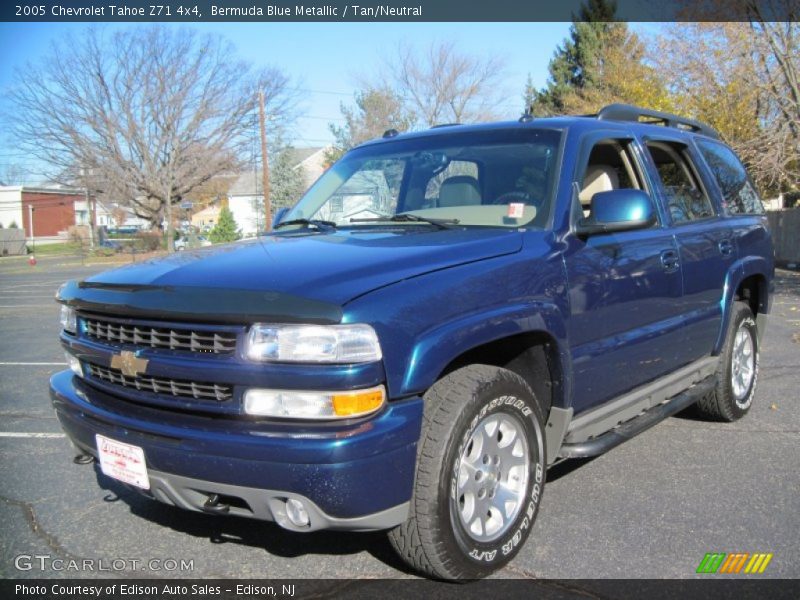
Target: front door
column 625, row 290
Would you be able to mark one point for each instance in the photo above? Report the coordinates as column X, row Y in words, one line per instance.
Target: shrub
column 148, row 241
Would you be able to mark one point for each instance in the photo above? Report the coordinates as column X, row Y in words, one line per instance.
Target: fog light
column 297, row 513
column 74, row 364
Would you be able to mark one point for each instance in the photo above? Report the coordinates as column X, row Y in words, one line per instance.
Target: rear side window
column 738, row 194
column 686, row 198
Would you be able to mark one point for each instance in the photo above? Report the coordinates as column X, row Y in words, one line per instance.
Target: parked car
column 184, row 242
column 513, row 295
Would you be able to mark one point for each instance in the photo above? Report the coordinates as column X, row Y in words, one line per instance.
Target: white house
column 245, row 198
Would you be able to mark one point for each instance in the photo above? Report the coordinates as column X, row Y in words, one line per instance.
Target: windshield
column 491, row 178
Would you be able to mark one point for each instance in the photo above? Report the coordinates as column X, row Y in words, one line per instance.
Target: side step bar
column 622, row 433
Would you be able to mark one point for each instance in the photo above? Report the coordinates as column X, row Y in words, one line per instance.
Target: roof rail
column 628, row 112
column 438, row 125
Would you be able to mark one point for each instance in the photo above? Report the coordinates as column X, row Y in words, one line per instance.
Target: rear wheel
column 737, row 373
column 480, row 475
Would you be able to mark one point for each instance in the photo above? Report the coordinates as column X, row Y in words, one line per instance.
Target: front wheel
column 737, row 373
column 480, row 475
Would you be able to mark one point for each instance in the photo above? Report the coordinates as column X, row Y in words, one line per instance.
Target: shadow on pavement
column 242, row 531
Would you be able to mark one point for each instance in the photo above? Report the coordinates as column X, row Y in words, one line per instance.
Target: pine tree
column 287, row 183
column 225, row 230
column 577, row 65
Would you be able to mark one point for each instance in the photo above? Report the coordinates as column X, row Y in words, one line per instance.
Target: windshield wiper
column 318, row 223
column 409, row 218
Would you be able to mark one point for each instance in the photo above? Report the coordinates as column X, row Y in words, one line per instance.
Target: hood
column 330, row 267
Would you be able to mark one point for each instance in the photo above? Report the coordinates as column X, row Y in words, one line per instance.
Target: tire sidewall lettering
column 512, row 539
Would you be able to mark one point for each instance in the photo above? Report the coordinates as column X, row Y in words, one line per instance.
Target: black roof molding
column 637, row 114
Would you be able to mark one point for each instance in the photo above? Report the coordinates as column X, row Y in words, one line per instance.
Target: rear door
column 624, row 288
column 706, row 245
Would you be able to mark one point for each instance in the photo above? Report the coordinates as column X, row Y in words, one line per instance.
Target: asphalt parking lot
column 651, row 508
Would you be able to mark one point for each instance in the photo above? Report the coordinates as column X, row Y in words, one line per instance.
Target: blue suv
column 441, row 317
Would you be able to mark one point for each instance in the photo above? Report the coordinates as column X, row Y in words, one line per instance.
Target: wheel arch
column 747, row 281
column 529, row 340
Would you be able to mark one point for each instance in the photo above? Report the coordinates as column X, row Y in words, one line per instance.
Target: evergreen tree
column 529, row 95
column 225, row 230
column 577, row 64
column 287, row 184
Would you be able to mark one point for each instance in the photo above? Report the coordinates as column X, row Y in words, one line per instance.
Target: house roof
column 249, row 183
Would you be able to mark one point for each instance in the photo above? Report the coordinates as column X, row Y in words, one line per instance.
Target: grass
column 58, row 249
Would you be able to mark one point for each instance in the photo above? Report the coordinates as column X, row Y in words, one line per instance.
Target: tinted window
column 738, row 194
column 686, row 199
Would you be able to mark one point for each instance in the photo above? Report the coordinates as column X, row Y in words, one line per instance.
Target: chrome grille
column 189, row 340
column 158, row 385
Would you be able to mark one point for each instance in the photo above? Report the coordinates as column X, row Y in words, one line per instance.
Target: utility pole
column 30, row 220
column 91, row 213
column 264, row 163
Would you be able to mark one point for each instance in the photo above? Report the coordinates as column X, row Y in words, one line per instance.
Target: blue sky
column 324, row 57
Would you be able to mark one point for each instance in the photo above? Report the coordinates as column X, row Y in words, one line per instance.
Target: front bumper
column 357, row 475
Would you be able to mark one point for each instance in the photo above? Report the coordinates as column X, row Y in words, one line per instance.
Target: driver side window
column 610, row 167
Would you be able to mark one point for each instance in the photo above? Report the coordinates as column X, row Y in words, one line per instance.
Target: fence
column 12, row 242
column 785, row 225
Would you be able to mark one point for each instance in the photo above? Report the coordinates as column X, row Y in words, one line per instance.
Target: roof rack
column 438, row 125
column 628, row 112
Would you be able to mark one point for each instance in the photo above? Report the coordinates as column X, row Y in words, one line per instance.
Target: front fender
column 440, row 346
column 426, row 322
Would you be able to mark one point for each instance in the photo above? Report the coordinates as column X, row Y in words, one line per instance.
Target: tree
column 226, row 229
column 602, row 62
column 287, row 179
column 144, row 115
column 744, row 80
column 577, row 65
column 375, row 111
column 440, row 84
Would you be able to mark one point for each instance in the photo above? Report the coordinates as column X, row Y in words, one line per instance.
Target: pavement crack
column 52, row 542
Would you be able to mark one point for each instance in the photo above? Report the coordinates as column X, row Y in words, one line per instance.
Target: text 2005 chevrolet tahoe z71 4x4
column 442, row 316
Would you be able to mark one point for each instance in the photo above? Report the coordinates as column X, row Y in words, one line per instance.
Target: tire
column 466, row 416
column 737, row 373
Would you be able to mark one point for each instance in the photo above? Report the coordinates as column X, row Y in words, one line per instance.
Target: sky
column 323, row 58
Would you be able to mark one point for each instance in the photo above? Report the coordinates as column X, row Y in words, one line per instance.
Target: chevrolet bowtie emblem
column 129, row 363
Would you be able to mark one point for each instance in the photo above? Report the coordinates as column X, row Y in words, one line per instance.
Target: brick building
column 53, row 209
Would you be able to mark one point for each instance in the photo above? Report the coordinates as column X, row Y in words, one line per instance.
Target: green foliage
column 225, row 230
column 577, row 64
column 287, row 184
column 13, row 225
column 376, row 110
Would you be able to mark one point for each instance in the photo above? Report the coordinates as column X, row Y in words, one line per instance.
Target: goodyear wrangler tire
column 480, row 475
column 737, row 373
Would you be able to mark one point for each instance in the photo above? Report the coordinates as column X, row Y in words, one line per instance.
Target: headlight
column 342, row 344
column 69, row 321
column 290, row 404
column 74, row 364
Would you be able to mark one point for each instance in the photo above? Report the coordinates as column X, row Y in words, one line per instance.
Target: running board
column 622, row 433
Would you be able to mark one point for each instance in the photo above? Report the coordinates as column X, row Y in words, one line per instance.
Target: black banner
column 216, row 589
column 386, row 10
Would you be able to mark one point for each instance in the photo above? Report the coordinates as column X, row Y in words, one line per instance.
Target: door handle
column 669, row 260
column 725, row 247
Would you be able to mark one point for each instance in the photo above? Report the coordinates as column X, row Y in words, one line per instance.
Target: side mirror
column 278, row 216
column 618, row 210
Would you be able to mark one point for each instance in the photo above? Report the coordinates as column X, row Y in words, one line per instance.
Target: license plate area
column 123, row 462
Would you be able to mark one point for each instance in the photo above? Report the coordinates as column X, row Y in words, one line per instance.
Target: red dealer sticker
column 123, row 462
column 516, row 210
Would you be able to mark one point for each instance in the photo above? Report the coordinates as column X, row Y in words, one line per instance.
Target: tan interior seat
column 459, row 190
column 599, row 178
